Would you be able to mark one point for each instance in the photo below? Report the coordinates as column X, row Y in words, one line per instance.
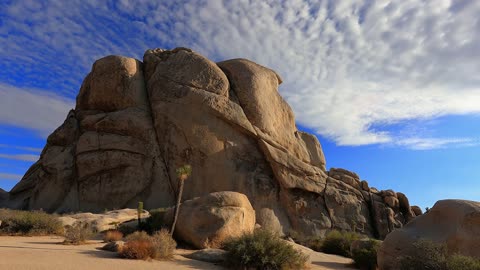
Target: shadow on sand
column 193, row 264
column 335, row 265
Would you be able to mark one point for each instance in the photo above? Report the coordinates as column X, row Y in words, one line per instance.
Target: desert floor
column 39, row 253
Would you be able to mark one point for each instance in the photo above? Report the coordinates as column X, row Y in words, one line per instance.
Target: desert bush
column 78, row 233
column 263, row 250
column 142, row 246
column 314, row 243
column 138, row 250
column 460, row 262
column 426, row 255
column 430, row 255
column 15, row 222
column 155, row 221
column 138, row 236
column 164, row 244
column 126, row 230
column 112, row 236
column 337, row 242
column 366, row 257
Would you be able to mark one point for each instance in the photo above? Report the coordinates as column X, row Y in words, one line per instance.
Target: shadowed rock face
column 454, row 223
column 136, row 122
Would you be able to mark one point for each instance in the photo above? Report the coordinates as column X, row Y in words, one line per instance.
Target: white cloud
column 434, row 143
column 10, row 176
column 346, row 65
column 21, row 157
column 33, row 109
column 24, row 148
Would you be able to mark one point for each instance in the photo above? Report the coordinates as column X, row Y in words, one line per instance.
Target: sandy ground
column 42, row 253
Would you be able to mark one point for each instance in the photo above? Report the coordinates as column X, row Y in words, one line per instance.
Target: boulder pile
column 135, row 122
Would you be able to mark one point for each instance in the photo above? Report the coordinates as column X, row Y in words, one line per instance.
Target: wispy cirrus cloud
column 10, row 176
column 347, row 65
column 21, row 157
column 38, row 110
column 436, row 143
column 23, row 148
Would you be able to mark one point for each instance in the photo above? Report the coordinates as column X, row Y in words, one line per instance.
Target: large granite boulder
column 104, row 221
column 136, row 122
column 206, row 222
column 455, row 223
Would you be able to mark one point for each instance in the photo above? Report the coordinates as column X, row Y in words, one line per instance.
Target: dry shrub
column 78, row 233
column 142, row 246
column 164, row 244
column 112, row 236
column 138, row 250
column 138, row 236
column 16, row 222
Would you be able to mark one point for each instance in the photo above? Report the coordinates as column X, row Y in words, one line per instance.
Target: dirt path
column 44, row 253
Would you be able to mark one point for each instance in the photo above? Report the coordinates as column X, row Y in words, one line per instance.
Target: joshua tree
column 182, row 173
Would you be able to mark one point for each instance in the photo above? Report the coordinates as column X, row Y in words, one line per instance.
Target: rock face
column 205, row 222
column 3, row 196
column 136, row 122
column 455, row 223
column 105, row 221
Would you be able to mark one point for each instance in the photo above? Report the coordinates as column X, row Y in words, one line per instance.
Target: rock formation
column 455, row 223
column 206, row 222
column 135, row 122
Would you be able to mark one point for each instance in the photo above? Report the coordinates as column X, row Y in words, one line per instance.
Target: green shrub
column 314, row 243
column 338, row 243
column 460, row 262
column 263, row 250
column 426, row 255
column 366, row 257
column 429, row 255
column 142, row 246
column 155, row 221
column 15, row 222
column 126, row 229
column 78, row 233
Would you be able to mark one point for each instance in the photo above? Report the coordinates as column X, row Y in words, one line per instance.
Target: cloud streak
column 21, row 157
column 347, row 65
column 23, row 148
column 33, row 109
column 10, row 176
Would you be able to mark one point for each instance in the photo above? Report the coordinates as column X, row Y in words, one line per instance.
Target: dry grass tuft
column 112, row 236
column 141, row 246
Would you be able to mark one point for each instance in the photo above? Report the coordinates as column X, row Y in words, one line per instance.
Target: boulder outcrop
column 105, row 221
column 135, row 122
column 206, row 222
column 455, row 223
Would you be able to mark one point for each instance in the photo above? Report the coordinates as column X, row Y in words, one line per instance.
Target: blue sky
column 391, row 88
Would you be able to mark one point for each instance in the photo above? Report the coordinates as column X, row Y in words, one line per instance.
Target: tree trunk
column 177, row 206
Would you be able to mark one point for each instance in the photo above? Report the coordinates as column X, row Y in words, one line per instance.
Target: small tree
column 182, row 174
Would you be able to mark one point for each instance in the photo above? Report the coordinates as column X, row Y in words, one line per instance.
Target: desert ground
column 45, row 252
